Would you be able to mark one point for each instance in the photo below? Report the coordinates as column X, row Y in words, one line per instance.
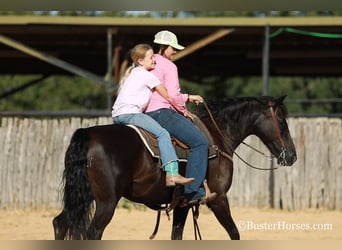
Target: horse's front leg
column 220, row 208
column 179, row 218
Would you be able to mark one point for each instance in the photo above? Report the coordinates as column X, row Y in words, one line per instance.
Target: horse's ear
column 280, row 100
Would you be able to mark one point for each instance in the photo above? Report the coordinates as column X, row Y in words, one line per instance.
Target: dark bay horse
column 105, row 163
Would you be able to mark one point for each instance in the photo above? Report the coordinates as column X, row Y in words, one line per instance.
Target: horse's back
column 106, row 134
column 115, row 139
column 111, row 131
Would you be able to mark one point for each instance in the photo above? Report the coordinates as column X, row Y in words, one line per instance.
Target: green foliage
column 52, row 94
column 305, row 95
column 58, row 93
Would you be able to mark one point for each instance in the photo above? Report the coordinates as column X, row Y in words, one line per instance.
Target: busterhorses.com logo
column 281, row 225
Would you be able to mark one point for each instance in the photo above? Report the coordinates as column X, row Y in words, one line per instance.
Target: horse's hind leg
column 59, row 226
column 222, row 212
column 103, row 215
column 179, row 218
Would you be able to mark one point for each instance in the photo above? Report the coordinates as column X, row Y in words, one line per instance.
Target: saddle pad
column 151, row 144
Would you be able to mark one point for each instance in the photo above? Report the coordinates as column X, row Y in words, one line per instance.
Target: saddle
column 182, row 150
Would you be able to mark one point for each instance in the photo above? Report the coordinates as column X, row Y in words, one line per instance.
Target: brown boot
column 173, row 180
column 209, row 196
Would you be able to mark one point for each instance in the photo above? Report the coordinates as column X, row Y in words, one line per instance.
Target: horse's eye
column 281, row 120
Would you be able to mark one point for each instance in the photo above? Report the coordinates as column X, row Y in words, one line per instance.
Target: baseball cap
column 167, row 38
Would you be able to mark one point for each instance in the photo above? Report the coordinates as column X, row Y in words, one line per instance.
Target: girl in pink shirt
column 132, row 100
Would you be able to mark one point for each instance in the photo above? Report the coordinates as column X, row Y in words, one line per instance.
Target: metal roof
column 222, row 47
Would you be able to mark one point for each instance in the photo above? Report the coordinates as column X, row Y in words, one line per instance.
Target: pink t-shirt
column 135, row 93
column 167, row 73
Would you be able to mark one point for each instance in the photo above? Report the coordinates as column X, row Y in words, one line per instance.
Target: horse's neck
column 230, row 126
column 230, row 139
column 235, row 138
column 213, row 135
column 227, row 138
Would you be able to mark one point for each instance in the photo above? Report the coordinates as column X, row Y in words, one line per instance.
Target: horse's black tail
column 77, row 196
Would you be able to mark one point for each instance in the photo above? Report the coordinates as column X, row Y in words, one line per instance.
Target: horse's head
column 271, row 127
column 262, row 116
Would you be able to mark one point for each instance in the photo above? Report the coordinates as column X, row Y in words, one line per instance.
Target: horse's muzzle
column 286, row 158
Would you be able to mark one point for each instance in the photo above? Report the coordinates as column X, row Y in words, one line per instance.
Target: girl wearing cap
column 132, row 100
column 173, row 117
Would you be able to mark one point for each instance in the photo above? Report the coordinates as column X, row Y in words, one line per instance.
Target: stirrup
column 207, row 197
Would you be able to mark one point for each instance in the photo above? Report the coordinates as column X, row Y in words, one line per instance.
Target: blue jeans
column 183, row 129
column 167, row 151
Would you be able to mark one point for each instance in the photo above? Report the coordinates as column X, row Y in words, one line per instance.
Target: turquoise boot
column 173, row 177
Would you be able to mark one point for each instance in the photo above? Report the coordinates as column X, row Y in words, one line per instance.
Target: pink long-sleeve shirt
column 167, row 73
column 135, row 93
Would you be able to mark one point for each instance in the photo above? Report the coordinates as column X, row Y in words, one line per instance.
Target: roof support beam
column 202, row 43
column 24, row 86
column 54, row 61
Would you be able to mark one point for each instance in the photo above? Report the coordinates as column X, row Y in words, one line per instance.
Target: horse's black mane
column 232, row 110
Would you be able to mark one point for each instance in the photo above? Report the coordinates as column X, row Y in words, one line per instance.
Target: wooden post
column 265, row 61
column 265, row 91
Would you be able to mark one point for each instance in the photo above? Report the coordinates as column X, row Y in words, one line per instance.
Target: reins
column 256, row 150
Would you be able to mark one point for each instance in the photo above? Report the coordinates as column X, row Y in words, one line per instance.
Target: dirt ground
column 138, row 224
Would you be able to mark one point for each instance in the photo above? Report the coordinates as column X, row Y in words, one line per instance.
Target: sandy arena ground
column 138, row 224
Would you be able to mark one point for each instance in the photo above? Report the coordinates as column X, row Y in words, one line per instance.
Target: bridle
column 224, row 154
column 283, row 148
